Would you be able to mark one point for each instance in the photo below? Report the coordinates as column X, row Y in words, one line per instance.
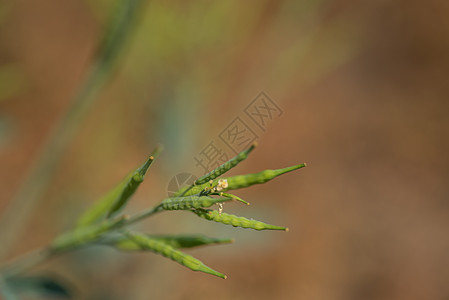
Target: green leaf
column 213, row 215
column 175, row 241
column 83, row 235
column 117, row 198
column 184, row 203
column 240, row 181
column 168, row 251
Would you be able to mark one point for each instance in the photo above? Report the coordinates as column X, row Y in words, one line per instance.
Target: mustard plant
column 105, row 224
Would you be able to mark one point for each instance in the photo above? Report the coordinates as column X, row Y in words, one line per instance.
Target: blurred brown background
column 363, row 86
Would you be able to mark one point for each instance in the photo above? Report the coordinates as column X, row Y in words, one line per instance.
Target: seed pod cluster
column 242, row 181
column 97, row 225
column 226, row 166
column 213, row 215
column 86, row 234
column 175, row 241
column 172, row 253
column 188, row 202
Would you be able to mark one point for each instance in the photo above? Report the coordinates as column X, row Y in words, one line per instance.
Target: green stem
column 25, row 262
column 143, row 215
column 34, row 258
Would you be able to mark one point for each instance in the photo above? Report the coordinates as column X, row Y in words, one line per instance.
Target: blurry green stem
column 31, row 259
column 5, row 290
column 33, row 187
column 143, row 215
column 25, row 262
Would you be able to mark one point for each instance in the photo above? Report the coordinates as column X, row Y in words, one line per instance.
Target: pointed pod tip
column 305, row 164
column 213, row 272
column 159, row 148
column 235, row 198
column 242, row 201
column 151, row 157
column 286, row 229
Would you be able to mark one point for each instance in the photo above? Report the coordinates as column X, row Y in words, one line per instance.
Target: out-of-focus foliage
column 363, row 87
column 12, row 81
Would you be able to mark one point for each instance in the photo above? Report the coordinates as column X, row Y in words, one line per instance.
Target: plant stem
column 143, row 215
column 34, row 258
column 25, row 262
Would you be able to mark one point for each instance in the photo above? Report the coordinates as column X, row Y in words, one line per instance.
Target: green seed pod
column 116, row 199
column 184, row 203
column 213, row 215
column 86, row 234
column 130, row 188
column 226, row 166
column 241, row 181
column 172, row 253
column 175, row 241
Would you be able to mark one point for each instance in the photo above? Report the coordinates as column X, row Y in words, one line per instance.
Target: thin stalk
column 143, row 215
